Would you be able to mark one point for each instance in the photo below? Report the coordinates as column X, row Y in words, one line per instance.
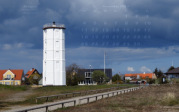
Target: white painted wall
column 128, row 78
column 54, row 56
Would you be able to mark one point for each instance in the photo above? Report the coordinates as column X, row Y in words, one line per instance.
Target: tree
column 72, row 75
column 99, row 76
column 171, row 68
column 116, row 78
column 158, row 73
column 26, row 82
column 34, row 79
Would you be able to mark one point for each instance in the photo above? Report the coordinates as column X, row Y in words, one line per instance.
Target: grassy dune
column 29, row 93
column 164, row 98
column 7, row 91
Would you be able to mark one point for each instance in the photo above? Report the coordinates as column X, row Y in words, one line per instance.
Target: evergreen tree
column 171, row 68
column 158, row 73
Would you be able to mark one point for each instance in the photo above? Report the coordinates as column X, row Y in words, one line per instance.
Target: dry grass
column 7, row 91
column 164, row 98
column 25, row 95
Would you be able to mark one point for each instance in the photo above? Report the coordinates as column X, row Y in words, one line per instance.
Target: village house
column 88, row 75
column 33, row 76
column 30, row 72
column 173, row 74
column 139, row 76
column 11, row 77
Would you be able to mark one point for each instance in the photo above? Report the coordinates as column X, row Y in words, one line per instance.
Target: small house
column 11, row 77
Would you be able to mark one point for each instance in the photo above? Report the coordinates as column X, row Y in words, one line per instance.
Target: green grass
column 46, row 91
column 53, row 90
column 8, row 90
column 13, row 88
column 66, row 89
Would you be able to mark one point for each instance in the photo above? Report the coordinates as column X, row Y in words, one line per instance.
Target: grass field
column 25, row 95
column 164, row 98
column 7, row 91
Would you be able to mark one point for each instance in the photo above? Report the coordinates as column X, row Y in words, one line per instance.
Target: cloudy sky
column 137, row 36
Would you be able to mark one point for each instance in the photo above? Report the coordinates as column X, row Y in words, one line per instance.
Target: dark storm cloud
column 92, row 23
column 156, row 8
column 119, row 26
column 163, row 18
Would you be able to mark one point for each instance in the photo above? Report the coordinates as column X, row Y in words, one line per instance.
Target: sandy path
column 18, row 108
column 20, row 96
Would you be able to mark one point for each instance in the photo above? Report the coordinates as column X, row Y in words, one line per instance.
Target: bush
column 175, row 81
column 151, row 81
column 170, row 99
column 99, row 76
column 116, row 77
column 116, row 82
column 127, row 81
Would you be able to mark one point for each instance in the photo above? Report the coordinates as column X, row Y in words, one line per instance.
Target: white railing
column 54, row 25
column 86, row 83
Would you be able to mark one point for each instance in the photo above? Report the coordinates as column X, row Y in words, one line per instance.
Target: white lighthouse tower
column 54, row 55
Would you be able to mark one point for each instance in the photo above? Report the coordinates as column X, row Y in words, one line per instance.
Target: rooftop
column 174, row 71
column 54, row 25
column 143, row 75
column 17, row 72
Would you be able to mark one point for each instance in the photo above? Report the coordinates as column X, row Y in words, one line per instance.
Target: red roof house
column 30, row 72
column 11, row 77
column 140, row 75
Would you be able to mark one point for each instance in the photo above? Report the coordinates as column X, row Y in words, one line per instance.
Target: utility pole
column 90, row 68
column 118, row 81
column 104, row 61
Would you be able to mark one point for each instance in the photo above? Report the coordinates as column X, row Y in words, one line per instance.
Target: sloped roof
column 143, row 75
column 174, row 71
column 17, row 72
column 30, row 72
column 1, row 74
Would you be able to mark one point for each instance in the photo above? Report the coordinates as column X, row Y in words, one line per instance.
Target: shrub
column 170, row 99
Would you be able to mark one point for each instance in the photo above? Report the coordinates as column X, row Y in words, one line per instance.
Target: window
column 8, row 77
column 57, row 54
column 88, row 74
column 57, row 65
column 57, row 44
column 11, row 83
column 35, row 77
column 85, row 74
column 7, row 83
column 16, row 83
column 0, row 82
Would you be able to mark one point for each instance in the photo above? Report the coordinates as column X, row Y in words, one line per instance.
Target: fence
column 74, row 93
column 46, row 107
column 108, row 94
